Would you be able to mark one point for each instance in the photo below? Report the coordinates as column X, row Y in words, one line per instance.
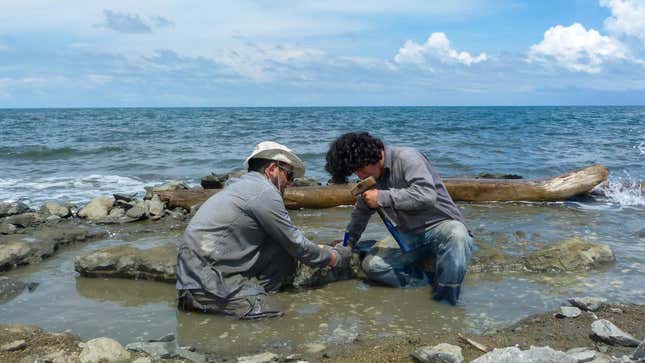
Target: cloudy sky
column 339, row 52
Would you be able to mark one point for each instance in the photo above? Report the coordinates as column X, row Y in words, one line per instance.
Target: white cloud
column 436, row 48
column 628, row 17
column 577, row 49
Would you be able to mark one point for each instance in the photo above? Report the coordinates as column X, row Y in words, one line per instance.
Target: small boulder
column 265, row 357
column 570, row 255
column 54, row 209
column 305, row 182
column 116, row 213
column 14, row 346
column 442, row 353
column 587, row 303
column 162, row 350
column 10, row 209
column 137, row 212
column 173, row 185
column 97, row 209
column 582, row 355
column 568, row 312
column 7, row 228
column 534, row 354
column 124, row 197
column 155, row 207
column 104, row 350
column 607, row 332
column 213, row 181
column 25, row 220
column 639, row 353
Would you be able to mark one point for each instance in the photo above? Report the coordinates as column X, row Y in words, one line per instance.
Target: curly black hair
column 351, row 152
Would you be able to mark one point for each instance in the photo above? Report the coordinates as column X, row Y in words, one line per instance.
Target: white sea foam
column 79, row 189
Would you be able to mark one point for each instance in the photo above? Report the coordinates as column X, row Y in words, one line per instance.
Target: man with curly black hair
column 411, row 192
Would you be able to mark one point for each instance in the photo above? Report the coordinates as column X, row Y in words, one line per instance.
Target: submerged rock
column 129, row 262
column 571, row 255
column 607, row 332
column 442, row 353
column 10, row 288
column 265, row 357
column 25, row 220
column 532, row 355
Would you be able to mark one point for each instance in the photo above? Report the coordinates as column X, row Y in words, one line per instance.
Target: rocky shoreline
column 29, row 236
column 597, row 332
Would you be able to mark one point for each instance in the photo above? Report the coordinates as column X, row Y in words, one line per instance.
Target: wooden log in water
column 468, row 190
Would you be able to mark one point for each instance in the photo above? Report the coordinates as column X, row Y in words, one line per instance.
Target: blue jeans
column 448, row 241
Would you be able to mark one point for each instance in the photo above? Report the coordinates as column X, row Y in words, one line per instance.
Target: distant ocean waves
column 38, row 153
column 36, row 191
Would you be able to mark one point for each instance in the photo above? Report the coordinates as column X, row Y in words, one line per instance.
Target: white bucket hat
column 273, row 151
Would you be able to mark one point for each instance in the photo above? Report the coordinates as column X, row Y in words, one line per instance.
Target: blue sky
column 314, row 53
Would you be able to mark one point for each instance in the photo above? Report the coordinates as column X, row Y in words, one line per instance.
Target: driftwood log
column 468, row 190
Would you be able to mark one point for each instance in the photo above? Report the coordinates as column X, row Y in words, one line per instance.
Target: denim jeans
column 451, row 244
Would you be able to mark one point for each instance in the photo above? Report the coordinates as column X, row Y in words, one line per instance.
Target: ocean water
column 76, row 154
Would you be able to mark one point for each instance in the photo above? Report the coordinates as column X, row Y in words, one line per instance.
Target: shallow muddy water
column 340, row 312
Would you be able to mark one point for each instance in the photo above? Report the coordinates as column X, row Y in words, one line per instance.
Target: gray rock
column 607, row 332
column 116, row 213
column 103, row 350
column 570, row 255
column 532, row 355
column 25, row 220
column 128, row 262
column 54, row 209
column 582, row 355
column 7, row 228
column 588, row 303
column 137, row 212
column 163, row 350
column 10, row 288
column 156, row 207
column 173, row 185
column 639, row 353
column 10, row 209
column 265, row 357
column 13, row 346
column 623, row 359
column 190, row 355
column 166, row 338
column 124, row 197
column 305, row 182
column 568, row 312
column 601, row 358
column 213, row 181
column 142, row 360
column 97, row 209
column 442, row 353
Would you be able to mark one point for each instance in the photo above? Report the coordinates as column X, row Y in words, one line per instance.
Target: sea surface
column 76, row 154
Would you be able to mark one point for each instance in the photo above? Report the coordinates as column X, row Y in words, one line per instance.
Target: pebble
column 314, row 347
column 265, row 357
column 13, row 346
column 568, row 312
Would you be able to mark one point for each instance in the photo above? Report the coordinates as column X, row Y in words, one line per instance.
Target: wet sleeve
column 420, row 192
column 360, row 216
column 272, row 216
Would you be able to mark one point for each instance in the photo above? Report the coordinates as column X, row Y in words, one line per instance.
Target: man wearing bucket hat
column 241, row 244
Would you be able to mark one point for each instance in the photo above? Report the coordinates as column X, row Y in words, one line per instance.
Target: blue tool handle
column 394, row 231
column 345, row 239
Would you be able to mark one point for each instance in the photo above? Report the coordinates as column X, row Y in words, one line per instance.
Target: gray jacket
column 242, row 242
column 410, row 191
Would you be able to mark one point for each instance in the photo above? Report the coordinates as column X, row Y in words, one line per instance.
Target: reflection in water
column 126, row 292
column 338, row 313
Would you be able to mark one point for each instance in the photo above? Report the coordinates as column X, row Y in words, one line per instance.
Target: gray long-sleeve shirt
column 410, row 191
column 241, row 242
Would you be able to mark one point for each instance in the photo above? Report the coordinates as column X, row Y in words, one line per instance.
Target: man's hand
column 371, row 198
column 343, row 256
